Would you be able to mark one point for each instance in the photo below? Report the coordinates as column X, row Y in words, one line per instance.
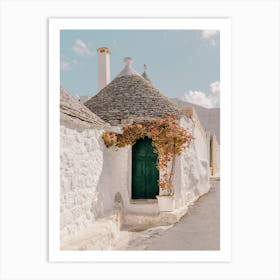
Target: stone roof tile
column 131, row 97
column 73, row 112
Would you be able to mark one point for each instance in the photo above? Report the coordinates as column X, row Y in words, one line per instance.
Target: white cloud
column 206, row 34
column 66, row 63
column 82, row 48
column 198, row 98
column 210, row 36
column 215, row 87
column 211, row 100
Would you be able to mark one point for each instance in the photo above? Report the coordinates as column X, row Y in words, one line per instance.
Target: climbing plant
column 169, row 139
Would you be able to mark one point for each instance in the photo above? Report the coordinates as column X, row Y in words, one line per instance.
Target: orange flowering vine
column 169, row 139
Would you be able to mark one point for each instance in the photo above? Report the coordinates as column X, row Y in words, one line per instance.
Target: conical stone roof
column 129, row 97
column 72, row 112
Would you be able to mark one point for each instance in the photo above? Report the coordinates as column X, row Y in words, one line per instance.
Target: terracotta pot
column 166, row 203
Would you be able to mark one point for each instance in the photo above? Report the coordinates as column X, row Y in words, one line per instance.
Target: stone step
column 140, row 220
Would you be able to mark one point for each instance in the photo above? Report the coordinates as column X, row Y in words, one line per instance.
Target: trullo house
column 101, row 187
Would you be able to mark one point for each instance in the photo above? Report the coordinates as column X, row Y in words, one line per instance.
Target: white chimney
column 103, row 67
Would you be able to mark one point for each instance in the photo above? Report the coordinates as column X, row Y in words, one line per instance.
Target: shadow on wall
column 104, row 194
column 107, row 183
column 112, row 181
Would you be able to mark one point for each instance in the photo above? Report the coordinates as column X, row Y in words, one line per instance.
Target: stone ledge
column 98, row 236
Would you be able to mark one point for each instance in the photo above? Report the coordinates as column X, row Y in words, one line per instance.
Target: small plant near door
column 169, row 139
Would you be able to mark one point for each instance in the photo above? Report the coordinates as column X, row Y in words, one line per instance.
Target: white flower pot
column 166, row 203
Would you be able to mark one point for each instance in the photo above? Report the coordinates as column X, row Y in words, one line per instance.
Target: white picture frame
column 224, row 27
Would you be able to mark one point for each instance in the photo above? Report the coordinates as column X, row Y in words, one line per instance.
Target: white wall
column 81, row 161
column 114, row 179
column 91, row 176
column 201, row 141
column 191, row 178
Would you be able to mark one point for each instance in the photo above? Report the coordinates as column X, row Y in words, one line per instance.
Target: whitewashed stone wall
column 91, row 177
column 191, row 178
column 81, row 162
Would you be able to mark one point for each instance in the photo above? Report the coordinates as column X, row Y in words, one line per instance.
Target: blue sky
column 181, row 63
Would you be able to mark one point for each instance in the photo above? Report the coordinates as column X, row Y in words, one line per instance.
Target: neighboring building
column 72, row 113
column 209, row 117
column 212, row 143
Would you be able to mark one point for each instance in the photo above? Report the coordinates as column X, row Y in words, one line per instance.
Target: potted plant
column 166, row 203
column 166, row 198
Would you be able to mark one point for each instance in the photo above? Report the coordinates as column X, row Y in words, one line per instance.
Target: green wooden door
column 144, row 172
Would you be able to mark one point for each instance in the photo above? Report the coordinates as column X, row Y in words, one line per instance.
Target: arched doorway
column 145, row 175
